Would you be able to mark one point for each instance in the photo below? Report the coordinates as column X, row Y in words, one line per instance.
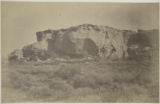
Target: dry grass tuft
column 88, row 81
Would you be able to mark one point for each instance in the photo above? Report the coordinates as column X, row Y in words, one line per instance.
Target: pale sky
column 20, row 21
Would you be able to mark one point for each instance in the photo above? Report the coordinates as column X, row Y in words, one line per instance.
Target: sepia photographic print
column 80, row 52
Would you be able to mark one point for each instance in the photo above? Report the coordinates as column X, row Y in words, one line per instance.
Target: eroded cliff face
column 88, row 41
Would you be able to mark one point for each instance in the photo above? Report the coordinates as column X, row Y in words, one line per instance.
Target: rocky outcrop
column 16, row 55
column 86, row 40
column 143, row 44
column 89, row 41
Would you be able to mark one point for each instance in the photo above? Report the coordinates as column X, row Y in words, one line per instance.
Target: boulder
column 16, row 55
column 35, row 52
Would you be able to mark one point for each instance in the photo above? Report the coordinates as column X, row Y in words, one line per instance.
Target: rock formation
column 16, row 55
column 87, row 41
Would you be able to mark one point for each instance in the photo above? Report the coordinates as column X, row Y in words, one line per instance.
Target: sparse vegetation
column 85, row 81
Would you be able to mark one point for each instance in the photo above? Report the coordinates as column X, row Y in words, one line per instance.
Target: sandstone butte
column 88, row 40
